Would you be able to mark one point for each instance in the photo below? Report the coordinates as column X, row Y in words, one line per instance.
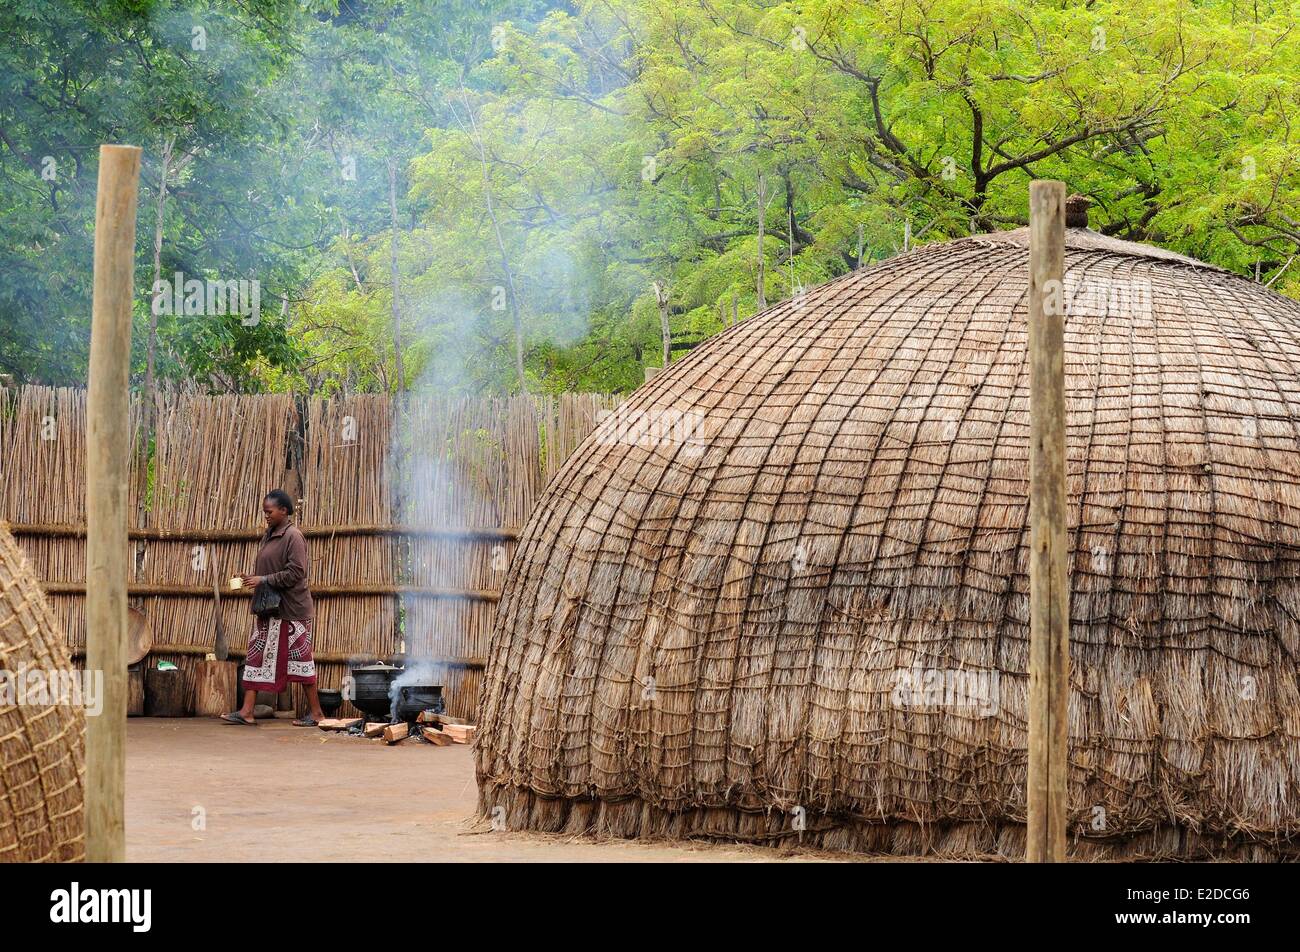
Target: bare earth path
column 279, row 793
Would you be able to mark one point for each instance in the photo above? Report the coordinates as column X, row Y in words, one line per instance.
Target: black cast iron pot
column 370, row 688
column 372, row 694
column 330, row 701
column 414, row 698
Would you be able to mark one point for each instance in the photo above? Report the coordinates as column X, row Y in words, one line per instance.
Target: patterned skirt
column 279, row 651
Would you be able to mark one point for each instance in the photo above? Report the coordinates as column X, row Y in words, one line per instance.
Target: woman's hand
column 252, row 581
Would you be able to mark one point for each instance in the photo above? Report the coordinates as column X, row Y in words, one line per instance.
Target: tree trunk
column 168, row 144
column 392, row 246
column 347, row 247
column 790, row 215
column 661, row 297
column 168, row 148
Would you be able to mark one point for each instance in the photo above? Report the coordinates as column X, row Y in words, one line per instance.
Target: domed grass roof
column 41, row 745
column 782, row 594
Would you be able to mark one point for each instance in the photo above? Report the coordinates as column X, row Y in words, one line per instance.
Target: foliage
column 555, row 163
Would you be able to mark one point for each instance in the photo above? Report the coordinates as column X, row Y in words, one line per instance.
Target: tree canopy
column 547, row 195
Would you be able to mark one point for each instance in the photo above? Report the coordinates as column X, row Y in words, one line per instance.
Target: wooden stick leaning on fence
column 108, row 442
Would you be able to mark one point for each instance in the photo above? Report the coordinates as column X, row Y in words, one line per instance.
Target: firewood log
column 396, row 732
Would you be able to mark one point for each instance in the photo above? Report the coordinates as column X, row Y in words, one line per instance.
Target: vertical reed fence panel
column 43, row 482
column 345, row 482
column 464, row 465
column 214, row 459
column 462, row 473
column 467, row 465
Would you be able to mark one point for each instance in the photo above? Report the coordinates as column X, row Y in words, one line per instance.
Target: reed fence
column 411, row 508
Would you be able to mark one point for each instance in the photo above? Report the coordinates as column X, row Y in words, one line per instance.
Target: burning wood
column 431, row 727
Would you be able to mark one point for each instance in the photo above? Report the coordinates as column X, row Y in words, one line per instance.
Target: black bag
column 266, row 601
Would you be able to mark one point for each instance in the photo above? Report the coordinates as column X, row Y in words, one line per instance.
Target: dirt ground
column 279, row 793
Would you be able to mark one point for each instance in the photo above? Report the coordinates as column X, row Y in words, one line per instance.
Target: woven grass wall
column 463, row 473
column 43, row 481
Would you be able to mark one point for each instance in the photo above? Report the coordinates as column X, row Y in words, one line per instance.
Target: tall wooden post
column 1049, row 593
column 108, row 442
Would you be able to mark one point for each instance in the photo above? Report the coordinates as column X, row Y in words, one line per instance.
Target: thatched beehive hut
column 733, row 628
column 41, row 745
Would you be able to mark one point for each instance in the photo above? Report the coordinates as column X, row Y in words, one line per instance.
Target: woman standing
column 279, row 649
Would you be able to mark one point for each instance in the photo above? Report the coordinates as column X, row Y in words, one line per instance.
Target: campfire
column 391, row 694
column 400, row 702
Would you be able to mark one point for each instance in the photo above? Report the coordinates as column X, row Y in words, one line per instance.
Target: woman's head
column 277, row 506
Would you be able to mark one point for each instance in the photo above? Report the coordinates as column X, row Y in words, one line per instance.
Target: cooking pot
column 372, row 694
column 370, row 689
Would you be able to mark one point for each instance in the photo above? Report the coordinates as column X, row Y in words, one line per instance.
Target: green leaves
column 555, row 161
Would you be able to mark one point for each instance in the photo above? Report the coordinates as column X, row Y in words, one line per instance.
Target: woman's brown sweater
column 282, row 561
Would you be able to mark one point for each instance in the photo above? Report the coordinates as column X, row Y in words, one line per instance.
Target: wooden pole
column 220, row 644
column 1049, row 593
column 107, row 469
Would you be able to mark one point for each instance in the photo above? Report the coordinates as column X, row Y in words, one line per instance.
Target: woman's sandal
column 234, row 717
column 307, row 721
